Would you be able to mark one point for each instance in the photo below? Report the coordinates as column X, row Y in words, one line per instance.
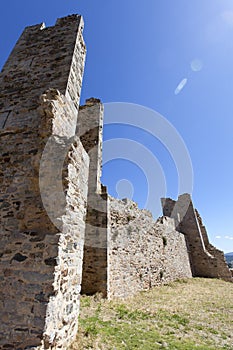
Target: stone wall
column 43, row 58
column 43, row 166
column 206, row 260
column 59, row 228
column 143, row 253
column 64, row 169
column 90, row 130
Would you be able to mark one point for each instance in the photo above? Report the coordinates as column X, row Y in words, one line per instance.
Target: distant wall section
column 206, row 260
column 142, row 253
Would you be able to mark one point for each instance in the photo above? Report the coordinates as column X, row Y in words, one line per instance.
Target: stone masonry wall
column 206, row 260
column 90, row 130
column 64, row 171
column 143, row 253
column 42, row 165
column 59, row 228
column 43, row 58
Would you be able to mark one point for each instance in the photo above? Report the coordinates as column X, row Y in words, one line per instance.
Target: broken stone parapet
column 206, row 260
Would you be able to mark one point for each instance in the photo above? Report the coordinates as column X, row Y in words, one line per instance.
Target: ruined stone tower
column 61, row 233
column 41, row 260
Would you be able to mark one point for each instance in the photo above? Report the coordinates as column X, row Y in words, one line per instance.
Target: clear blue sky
column 175, row 57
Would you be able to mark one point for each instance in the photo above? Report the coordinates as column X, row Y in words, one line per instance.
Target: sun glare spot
column 180, row 86
column 196, row 65
column 124, row 189
column 227, row 17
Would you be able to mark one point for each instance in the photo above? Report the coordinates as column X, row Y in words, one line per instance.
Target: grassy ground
column 184, row 315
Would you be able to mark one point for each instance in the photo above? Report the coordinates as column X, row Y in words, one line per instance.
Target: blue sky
column 174, row 57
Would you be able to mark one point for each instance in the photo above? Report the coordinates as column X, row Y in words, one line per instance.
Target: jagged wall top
column 60, row 22
column 43, row 58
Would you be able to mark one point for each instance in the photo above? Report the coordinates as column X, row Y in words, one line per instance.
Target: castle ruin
column 61, row 233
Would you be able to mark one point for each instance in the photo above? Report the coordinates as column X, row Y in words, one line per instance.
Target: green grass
column 185, row 315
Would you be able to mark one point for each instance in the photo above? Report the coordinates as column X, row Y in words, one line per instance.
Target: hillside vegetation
column 188, row 314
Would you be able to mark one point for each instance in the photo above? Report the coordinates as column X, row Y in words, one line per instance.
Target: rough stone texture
column 40, row 259
column 143, row 253
column 206, row 260
column 43, row 58
column 68, row 214
column 90, row 130
column 59, row 228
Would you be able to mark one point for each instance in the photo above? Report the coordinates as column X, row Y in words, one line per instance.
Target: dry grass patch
column 184, row 315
